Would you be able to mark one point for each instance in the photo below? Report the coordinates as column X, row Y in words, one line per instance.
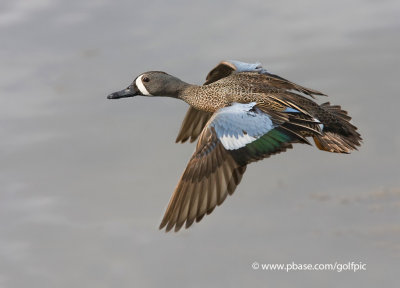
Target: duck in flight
column 241, row 114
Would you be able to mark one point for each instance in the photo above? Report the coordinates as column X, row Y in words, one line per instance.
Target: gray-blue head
column 152, row 83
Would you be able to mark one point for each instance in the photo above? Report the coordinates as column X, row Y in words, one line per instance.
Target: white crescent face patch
column 140, row 86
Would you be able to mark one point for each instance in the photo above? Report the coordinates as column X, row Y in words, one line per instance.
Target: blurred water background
column 84, row 181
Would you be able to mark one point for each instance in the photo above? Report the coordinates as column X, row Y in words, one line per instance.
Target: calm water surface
column 84, row 181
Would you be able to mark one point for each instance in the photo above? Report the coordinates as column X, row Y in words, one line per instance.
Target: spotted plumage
column 242, row 113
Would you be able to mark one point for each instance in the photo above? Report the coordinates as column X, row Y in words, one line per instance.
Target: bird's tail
column 339, row 135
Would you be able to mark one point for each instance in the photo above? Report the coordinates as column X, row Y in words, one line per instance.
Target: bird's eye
column 145, row 79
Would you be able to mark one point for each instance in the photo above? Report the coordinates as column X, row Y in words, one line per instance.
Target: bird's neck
column 202, row 98
column 174, row 88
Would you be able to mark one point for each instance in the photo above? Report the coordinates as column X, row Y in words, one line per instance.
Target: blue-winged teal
column 241, row 114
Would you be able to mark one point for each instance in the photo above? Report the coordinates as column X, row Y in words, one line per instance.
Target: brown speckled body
column 240, row 88
column 244, row 88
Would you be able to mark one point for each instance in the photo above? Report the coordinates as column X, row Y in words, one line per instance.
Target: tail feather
column 337, row 110
column 340, row 136
column 336, row 143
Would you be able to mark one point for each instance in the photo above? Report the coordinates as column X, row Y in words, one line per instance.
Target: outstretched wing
column 232, row 138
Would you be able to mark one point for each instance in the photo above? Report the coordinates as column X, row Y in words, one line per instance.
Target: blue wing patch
column 291, row 110
column 248, row 67
column 240, row 124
